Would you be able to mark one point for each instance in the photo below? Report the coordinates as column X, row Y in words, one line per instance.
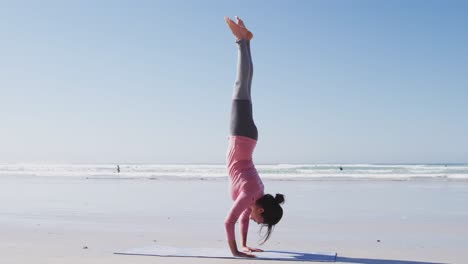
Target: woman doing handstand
column 245, row 184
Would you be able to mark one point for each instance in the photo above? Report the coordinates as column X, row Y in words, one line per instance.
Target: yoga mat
column 224, row 253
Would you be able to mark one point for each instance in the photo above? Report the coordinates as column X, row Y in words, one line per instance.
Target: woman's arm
column 244, row 228
column 244, row 225
column 240, row 205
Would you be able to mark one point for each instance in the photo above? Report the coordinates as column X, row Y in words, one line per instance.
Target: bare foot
column 240, row 22
column 238, row 29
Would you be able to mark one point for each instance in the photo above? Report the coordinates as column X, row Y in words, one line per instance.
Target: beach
column 85, row 220
column 115, row 118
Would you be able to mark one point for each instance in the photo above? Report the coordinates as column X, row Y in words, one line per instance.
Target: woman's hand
column 243, row 255
column 251, row 249
column 237, row 253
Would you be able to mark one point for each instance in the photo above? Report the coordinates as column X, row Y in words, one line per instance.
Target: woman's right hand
column 243, row 255
column 237, row 253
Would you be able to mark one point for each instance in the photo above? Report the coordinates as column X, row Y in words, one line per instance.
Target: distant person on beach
column 118, row 169
column 246, row 187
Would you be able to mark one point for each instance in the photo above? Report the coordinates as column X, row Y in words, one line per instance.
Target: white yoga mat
column 166, row 251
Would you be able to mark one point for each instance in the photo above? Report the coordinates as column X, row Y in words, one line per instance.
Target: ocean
column 292, row 172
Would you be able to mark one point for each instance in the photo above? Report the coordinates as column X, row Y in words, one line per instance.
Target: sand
column 79, row 220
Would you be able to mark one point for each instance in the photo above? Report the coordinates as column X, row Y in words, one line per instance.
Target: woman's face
column 256, row 214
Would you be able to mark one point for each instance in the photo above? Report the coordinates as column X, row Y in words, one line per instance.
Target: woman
column 245, row 184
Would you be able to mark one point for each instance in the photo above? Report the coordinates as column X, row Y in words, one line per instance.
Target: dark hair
column 272, row 211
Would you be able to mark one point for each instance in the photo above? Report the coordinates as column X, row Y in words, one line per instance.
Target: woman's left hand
column 251, row 249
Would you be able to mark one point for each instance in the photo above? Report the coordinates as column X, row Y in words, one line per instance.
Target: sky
column 151, row 81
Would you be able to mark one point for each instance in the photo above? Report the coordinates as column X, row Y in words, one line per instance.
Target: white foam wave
column 207, row 171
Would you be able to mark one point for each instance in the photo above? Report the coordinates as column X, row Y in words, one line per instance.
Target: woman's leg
column 242, row 123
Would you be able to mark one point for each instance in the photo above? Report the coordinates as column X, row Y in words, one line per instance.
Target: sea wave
column 274, row 172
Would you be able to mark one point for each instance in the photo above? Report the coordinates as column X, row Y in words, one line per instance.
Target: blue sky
column 151, row 81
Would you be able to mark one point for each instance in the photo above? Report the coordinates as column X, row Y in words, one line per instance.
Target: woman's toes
column 238, row 28
column 240, row 22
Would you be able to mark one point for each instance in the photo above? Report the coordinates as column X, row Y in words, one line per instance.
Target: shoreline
column 224, row 178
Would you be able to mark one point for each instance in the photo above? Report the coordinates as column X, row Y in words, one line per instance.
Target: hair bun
column 279, row 198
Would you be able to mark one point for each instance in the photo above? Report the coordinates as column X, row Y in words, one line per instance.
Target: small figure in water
column 118, row 169
column 341, row 168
